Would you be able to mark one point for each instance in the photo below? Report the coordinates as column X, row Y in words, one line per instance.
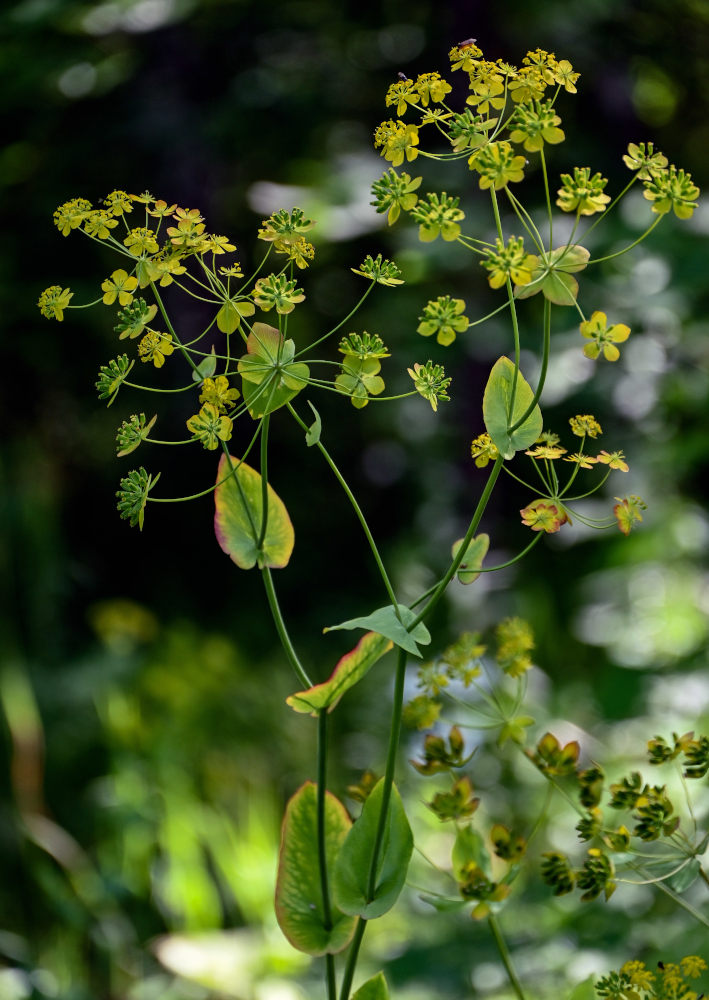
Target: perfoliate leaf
column 552, row 276
column 468, row 571
column 313, row 434
column 442, row 903
column 270, row 377
column 685, row 877
column 206, row 368
column 385, row 622
column 299, row 902
column 229, row 316
column 351, row 874
column 374, row 989
column 349, row 670
column 470, row 846
column 496, row 404
column 237, row 520
column 585, row 990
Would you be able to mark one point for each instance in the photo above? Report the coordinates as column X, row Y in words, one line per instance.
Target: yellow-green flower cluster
column 443, row 316
column 582, row 193
column 53, row 301
column 634, row 980
column 511, row 261
column 438, row 215
column 210, row 426
column 430, row 382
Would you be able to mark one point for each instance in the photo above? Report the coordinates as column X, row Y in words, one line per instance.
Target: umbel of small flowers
column 172, row 246
column 511, row 117
column 554, row 503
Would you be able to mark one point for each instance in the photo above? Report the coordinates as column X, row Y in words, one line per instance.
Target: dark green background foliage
column 144, row 763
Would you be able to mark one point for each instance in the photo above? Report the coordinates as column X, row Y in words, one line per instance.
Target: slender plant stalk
column 505, row 956
column 543, row 371
column 360, row 516
column 322, row 854
column 472, row 528
column 282, row 630
column 264, row 481
column 394, row 734
column 352, row 956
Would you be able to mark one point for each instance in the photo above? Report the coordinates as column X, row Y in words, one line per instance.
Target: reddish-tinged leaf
column 349, row 670
column 299, row 902
column 237, row 520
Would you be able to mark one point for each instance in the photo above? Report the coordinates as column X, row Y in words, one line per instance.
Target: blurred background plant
column 144, row 762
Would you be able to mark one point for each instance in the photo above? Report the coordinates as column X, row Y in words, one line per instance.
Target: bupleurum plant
column 244, row 372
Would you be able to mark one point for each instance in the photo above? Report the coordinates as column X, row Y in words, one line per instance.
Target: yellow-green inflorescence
column 160, row 243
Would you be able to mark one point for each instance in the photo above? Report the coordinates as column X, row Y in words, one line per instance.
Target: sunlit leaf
column 299, row 902
column 270, row 376
column 552, row 276
column 237, row 520
column 349, row 670
column 351, row 874
column 374, row 989
column 469, row 569
column 229, row 316
column 385, row 622
column 496, row 404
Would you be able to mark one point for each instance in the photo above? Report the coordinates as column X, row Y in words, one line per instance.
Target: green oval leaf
column 469, row 569
column 299, row 901
column 496, row 402
column 313, row 433
column 560, row 288
column 237, row 519
column 206, row 368
column 349, row 670
column 385, row 622
column 351, row 874
column 270, row 377
column 470, row 846
column 229, row 316
column 374, row 989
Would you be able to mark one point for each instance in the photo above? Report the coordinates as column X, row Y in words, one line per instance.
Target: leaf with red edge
column 349, row 670
column 299, row 902
column 237, row 520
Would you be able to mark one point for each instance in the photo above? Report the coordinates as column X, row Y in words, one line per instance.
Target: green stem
column 619, row 253
column 472, row 528
column 505, row 956
column 543, row 371
column 394, row 735
column 282, row 630
column 170, row 327
column 352, row 956
column 513, row 310
column 678, row 899
column 264, row 481
column 360, row 516
column 339, row 325
column 322, row 855
column 548, row 199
